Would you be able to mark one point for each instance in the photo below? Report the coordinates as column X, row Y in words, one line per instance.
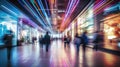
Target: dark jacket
column 47, row 39
column 8, row 39
column 85, row 39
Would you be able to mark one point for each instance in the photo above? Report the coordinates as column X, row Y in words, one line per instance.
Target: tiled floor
column 58, row 56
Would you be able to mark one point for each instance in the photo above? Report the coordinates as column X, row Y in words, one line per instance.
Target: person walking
column 68, row 40
column 84, row 40
column 97, row 39
column 41, row 41
column 77, row 42
column 65, row 41
column 8, row 42
column 47, row 41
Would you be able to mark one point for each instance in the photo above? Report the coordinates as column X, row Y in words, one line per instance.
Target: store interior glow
column 30, row 22
column 88, row 6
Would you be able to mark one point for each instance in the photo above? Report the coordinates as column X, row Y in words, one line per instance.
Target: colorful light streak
column 83, row 12
column 36, row 16
column 72, row 4
column 38, row 8
column 98, row 7
column 47, row 7
column 42, row 7
column 67, row 12
column 32, row 1
column 7, row 9
column 75, row 3
column 98, row 3
column 17, row 14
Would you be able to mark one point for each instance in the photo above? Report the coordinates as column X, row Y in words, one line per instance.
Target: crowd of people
column 46, row 40
column 83, row 40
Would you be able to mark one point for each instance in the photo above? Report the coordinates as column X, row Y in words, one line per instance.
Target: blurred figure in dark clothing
column 34, row 39
column 47, row 41
column 65, row 41
column 98, row 39
column 84, row 40
column 8, row 42
column 77, row 41
column 68, row 40
column 41, row 41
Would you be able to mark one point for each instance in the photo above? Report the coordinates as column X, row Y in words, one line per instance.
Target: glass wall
column 7, row 22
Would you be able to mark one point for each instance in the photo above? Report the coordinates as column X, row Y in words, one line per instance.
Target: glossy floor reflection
column 58, row 56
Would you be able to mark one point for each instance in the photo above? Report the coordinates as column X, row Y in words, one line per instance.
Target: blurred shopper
column 65, row 41
column 34, row 39
column 77, row 41
column 68, row 40
column 8, row 37
column 47, row 41
column 41, row 41
column 97, row 39
column 84, row 40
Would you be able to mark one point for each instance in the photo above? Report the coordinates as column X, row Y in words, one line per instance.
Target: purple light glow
column 31, row 23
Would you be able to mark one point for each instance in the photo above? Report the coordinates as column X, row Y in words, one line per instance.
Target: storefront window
column 4, row 27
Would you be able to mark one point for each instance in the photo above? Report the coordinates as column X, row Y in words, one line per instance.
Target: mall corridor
column 58, row 56
column 93, row 23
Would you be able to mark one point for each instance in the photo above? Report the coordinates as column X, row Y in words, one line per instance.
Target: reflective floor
column 58, row 56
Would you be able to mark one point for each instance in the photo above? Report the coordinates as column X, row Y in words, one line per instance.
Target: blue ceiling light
column 32, row 1
column 29, row 6
column 44, row 12
column 47, row 7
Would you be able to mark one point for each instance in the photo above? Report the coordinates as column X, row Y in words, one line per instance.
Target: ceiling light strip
column 47, row 8
column 41, row 6
column 32, row 12
column 67, row 12
column 38, row 8
column 7, row 9
column 75, row 3
column 102, row 7
column 72, row 7
column 84, row 10
column 44, row 12
column 42, row 17
column 97, row 5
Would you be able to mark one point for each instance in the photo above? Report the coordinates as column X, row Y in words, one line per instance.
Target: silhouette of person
column 77, row 41
column 68, row 40
column 41, row 41
column 84, row 40
column 65, row 41
column 97, row 39
column 47, row 41
column 8, row 42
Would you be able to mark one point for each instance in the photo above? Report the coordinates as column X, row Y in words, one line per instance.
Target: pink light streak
column 70, row 8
